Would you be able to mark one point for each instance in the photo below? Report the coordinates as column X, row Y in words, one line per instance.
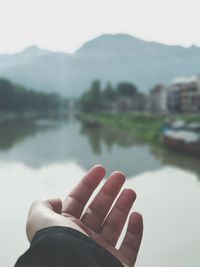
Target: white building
column 158, row 99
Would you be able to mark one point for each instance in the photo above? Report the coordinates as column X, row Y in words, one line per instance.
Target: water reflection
column 15, row 131
column 66, row 142
column 183, row 162
column 41, row 143
column 109, row 137
column 98, row 136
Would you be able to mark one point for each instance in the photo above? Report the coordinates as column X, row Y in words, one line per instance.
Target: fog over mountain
column 109, row 57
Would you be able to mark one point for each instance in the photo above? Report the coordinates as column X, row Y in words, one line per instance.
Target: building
column 136, row 103
column 158, row 99
column 184, row 95
column 190, row 98
column 174, row 99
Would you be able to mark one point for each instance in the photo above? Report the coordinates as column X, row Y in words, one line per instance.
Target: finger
column 116, row 219
column 100, row 206
column 75, row 202
column 132, row 239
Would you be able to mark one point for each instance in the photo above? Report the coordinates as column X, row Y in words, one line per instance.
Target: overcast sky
column 64, row 25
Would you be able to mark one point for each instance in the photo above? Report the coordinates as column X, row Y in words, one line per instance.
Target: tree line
column 122, row 97
column 15, row 98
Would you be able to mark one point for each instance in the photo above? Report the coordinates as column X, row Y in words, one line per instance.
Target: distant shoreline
column 9, row 116
column 145, row 128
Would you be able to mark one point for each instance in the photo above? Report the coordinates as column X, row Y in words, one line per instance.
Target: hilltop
column 114, row 58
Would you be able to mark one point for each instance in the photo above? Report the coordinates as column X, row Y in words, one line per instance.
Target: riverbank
column 33, row 115
column 143, row 127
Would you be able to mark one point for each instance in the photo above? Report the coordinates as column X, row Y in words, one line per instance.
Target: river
column 45, row 158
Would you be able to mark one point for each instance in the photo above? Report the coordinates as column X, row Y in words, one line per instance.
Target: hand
column 98, row 221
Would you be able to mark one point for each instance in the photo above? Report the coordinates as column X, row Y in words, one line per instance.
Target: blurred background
column 103, row 82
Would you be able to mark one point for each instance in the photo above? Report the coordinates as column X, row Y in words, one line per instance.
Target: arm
column 60, row 246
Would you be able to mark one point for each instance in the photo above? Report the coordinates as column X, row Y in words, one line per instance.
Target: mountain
column 12, row 60
column 114, row 58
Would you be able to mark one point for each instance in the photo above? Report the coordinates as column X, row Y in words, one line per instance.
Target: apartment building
column 184, row 95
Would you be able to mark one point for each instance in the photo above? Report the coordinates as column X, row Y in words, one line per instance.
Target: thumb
column 55, row 204
column 42, row 214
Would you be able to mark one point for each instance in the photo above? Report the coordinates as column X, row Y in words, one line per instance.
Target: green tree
column 92, row 99
column 15, row 98
column 127, row 89
column 109, row 93
column 96, row 95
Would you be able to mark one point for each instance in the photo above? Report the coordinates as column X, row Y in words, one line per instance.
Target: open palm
column 101, row 220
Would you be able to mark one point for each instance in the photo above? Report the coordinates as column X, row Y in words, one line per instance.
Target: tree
column 127, row 89
column 92, row 99
column 96, row 96
column 16, row 98
column 109, row 93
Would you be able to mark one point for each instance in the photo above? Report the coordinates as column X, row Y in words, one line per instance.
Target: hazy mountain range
column 112, row 58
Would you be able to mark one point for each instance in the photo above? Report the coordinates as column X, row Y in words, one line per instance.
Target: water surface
column 45, row 158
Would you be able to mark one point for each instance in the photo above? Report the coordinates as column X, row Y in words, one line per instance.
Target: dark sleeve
column 65, row 247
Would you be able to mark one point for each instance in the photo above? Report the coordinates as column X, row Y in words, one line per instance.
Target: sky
column 64, row 25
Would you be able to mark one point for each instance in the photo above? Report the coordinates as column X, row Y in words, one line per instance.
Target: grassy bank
column 143, row 127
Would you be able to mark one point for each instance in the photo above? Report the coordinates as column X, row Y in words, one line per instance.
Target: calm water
column 46, row 158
